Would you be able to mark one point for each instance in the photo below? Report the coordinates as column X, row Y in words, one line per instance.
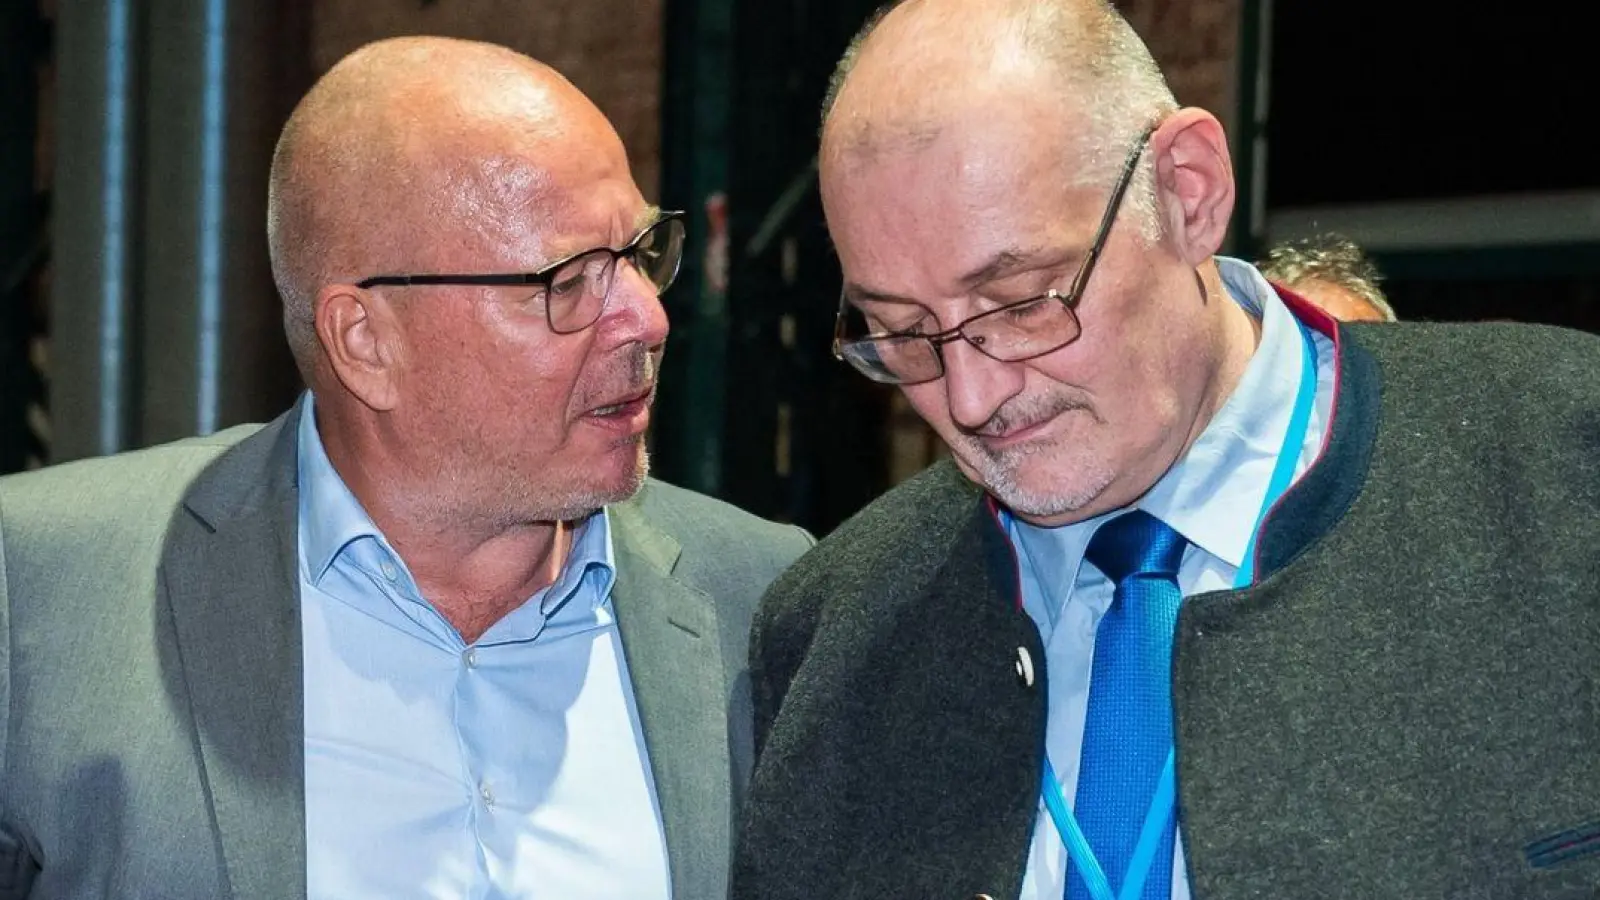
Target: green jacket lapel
column 230, row 572
column 669, row 635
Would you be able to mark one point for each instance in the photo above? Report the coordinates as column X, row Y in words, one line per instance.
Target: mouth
column 1000, row 441
column 1011, row 435
column 630, row 414
column 625, row 405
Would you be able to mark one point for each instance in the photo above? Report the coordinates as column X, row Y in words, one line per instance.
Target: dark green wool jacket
column 1406, row 704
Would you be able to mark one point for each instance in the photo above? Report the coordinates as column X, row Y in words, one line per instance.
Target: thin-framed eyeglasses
column 574, row 290
column 1014, row 332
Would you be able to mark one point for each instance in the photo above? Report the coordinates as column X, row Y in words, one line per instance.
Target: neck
column 1238, row 336
column 473, row 569
column 475, row 577
column 1235, row 336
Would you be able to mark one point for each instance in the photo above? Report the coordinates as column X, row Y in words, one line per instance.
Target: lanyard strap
column 1156, row 822
column 1305, row 398
column 1162, row 804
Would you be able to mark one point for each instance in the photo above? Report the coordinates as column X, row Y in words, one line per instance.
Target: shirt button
column 389, row 571
column 486, row 794
column 470, row 657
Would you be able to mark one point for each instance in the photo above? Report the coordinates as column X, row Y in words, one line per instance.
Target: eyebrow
column 646, row 217
column 855, row 294
column 1006, row 262
column 643, row 219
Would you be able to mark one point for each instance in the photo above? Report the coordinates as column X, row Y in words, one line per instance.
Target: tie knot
column 1136, row 544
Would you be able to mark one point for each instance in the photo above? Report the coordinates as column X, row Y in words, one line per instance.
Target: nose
column 635, row 310
column 976, row 385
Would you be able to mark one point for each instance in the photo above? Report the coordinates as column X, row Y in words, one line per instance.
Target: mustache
column 640, row 366
column 1025, row 412
column 632, row 374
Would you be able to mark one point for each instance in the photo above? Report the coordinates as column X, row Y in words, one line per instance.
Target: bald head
column 922, row 66
column 410, row 148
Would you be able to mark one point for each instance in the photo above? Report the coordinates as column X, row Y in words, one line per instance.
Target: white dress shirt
column 1212, row 496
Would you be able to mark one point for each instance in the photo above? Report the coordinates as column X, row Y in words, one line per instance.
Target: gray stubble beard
column 998, row 470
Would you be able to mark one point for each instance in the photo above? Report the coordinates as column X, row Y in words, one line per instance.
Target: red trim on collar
column 993, row 506
column 1309, row 313
column 1321, row 322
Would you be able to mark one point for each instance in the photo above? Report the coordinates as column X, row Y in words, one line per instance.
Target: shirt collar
column 592, row 551
column 1233, row 457
column 331, row 520
column 1239, row 448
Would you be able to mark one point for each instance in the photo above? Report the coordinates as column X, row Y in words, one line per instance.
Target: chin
column 631, row 470
column 611, row 479
column 1040, row 487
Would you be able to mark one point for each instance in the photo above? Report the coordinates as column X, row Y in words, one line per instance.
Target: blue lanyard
column 1159, row 819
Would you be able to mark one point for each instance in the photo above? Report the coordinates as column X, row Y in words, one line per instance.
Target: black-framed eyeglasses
column 1011, row 333
column 574, row 290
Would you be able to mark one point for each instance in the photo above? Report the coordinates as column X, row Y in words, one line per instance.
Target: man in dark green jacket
column 1217, row 597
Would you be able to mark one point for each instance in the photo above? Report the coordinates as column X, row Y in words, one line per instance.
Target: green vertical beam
column 1254, row 69
column 697, row 98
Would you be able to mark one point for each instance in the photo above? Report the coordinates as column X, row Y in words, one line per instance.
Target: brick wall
column 610, row 49
column 1196, row 42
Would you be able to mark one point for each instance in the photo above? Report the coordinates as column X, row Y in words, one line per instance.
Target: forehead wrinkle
column 497, row 174
column 501, row 201
column 515, row 206
column 1008, row 261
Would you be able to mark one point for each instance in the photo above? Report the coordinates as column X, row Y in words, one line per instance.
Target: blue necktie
column 1127, row 732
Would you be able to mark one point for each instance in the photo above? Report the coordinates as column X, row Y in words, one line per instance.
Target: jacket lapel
column 669, row 636
column 230, row 576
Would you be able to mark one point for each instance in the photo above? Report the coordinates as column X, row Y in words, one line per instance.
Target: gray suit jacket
column 150, row 669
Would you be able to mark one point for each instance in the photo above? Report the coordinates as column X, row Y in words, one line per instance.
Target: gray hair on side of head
column 291, row 267
column 1098, row 57
column 1331, row 258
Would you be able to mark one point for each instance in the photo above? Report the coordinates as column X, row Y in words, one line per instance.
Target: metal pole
column 214, row 348
column 92, row 303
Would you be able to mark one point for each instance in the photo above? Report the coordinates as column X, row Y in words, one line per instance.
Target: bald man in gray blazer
column 277, row 662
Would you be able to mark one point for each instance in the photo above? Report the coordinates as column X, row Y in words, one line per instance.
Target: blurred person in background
column 1332, row 272
column 433, row 632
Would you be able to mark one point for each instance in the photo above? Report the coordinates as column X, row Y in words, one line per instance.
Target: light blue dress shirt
column 1212, row 497
column 511, row 768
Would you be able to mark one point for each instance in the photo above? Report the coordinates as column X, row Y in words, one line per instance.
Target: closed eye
column 1031, row 309
column 567, row 283
column 900, row 325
